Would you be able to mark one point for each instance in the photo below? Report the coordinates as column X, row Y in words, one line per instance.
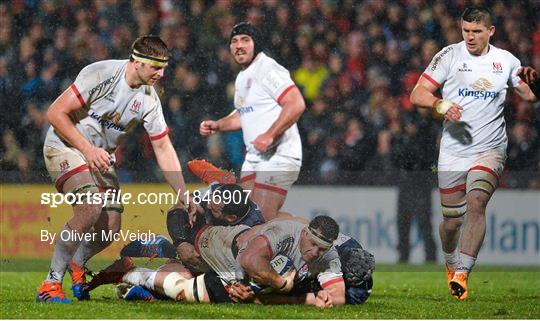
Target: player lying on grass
column 247, row 255
column 357, row 264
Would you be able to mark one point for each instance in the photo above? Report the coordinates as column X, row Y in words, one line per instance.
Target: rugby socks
column 64, row 249
column 452, row 259
column 467, row 263
column 141, row 276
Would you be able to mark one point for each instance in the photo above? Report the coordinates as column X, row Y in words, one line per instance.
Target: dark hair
column 245, row 28
column 478, row 14
column 328, row 227
column 151, row 46
column 238, row 204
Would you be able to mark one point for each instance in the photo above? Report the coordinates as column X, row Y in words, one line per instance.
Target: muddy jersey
column 478, row 84
column 258, row 92
column 283, row 238
column 110, row 107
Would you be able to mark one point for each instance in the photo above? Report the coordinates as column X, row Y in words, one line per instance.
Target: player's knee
column 178, row 288
column 452, row 224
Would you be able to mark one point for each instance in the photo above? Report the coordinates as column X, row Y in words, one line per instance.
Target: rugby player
column 107, row 99
column 267, row 106
column 473, row 76
column 247, row 255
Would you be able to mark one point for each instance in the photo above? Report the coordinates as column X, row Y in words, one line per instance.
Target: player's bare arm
column 293, row 106
column 170, row 166
column 230, row 122
column 422, row 96
column 529, row 90
column 59, row 116
column 255, row 261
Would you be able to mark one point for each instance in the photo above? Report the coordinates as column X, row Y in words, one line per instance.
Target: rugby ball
column 282, row 264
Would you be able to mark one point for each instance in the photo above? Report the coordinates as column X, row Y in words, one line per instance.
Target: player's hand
column 527, row 74
column 289, row 281
column 262, row 142
column 97, row 158
column 239, row 292
column 454, row 113
column 323, row 299
column 208, row 128
column 192, row 212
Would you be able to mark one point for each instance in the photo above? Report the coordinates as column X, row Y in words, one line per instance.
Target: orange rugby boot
column 51, row 292
column 208, row 173
column 458, row 286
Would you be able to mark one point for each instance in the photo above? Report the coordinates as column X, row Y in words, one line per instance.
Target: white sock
column 64, row 249
column 467, row 263
column 141, row 276
column 452, row 259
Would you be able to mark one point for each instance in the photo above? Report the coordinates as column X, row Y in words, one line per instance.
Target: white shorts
column 453, row 170
column 63, row 163
column 276, row 174
column 214, row 244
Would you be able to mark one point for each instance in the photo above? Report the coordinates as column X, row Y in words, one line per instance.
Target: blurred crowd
column 355, row 62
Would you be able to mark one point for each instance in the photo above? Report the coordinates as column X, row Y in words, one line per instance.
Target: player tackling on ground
column 267, row 105
column 474, row 77
column 107, row 99
column 237, row 252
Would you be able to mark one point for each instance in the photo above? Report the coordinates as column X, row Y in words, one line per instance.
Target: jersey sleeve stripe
column 451, row 190
column 485, row 169
column 332, row 281
column 431, row 80
column 62, row 179
column 78, row 94
column 156, row 137
column 271, row 188
column 284, row 93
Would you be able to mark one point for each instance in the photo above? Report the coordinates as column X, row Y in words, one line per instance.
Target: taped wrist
column 442, row 106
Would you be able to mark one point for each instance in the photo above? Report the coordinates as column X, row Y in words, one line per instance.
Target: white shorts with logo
column 64, row 162
column 276, row 174
column 453, row 170
column 214, row 244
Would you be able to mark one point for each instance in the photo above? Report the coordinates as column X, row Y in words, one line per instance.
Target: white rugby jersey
column 111, row 108
column 258, row 91
column 284, row 238
column 479, row 85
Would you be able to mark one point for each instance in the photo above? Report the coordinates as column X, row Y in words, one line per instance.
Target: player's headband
column 151, row 60
column 319, row 238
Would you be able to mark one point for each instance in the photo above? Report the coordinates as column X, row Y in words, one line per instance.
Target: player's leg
column 454, row 206
column 173, row 280
column 107, row 224
column 452, row 177
column 482, row 181
column 71, row 174
column 272, row 182
column 84, row 217
column 247, row 175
